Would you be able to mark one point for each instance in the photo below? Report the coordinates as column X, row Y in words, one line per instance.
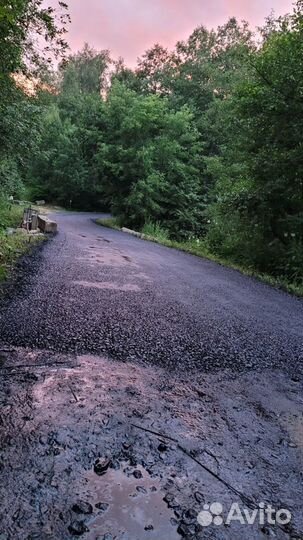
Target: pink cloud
column 129, row 27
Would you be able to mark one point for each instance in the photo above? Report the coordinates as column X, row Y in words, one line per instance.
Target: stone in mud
column 149, row 527
column 162, row 447
column 82, row 507
column 126, row 445
column 169, row 498
column 189, row 516
column 115, row 465
column 101, row 466
column 199, row 497
column 77, row 528
column 102, row 506
column 137, row 474
column 133, row 461
column 177, row 512
column 172, row 502
column 141, row 489
column 132, row 391
column 183, row 530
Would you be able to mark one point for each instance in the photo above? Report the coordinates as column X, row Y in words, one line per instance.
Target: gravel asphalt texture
column 100, row 291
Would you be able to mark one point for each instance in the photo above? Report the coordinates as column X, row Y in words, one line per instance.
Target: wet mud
column 159, row 437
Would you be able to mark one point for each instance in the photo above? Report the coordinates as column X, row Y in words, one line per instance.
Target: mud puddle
column 59, row 414
column 128, row 504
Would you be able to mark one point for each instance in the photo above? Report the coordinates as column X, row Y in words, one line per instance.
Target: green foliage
column 200, row 146
column 155, row 230
column 10, row 215
column 12, row 246
column 150, row 160
column 111, row 223
column 85, row 72
column 257, row 215
column 21, row 22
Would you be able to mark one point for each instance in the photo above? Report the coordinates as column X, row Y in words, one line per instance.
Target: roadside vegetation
column 12, row 244
column 21, row 67
column 199, row 147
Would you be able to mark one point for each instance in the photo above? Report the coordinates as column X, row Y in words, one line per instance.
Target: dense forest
column 204, row 142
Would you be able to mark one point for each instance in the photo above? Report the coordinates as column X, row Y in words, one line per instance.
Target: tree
column 262, row 201
column 85, row 72
column 22, row 23
column 152, row 162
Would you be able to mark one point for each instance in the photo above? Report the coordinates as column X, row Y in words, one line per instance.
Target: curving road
column 98, row 290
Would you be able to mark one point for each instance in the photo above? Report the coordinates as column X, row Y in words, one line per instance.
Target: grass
column 15, row 245
column 111, row 223
column 154, row 233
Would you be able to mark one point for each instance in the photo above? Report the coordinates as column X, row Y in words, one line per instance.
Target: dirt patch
column 192, row 441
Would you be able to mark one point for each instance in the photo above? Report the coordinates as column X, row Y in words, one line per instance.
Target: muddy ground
column 138, row 385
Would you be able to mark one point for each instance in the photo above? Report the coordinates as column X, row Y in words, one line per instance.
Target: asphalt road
column 101, row 291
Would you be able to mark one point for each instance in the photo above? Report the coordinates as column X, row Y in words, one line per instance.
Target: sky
column 128, row 27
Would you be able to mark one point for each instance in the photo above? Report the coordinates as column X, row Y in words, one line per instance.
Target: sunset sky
column 129, row 27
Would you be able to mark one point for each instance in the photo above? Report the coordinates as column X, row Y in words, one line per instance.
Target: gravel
column 100, row 291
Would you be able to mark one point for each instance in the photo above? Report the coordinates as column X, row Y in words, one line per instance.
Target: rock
column 115, row 465
column 130, row 231
column 162, row 447
column 102, row 506
column 82, row 507
column 178, row 512
column 77, row 528
column 141, row 489
column 189, row 516
column 183, row 530
column 169, row 498
column 101, row 466
column 149, row 527
column 126, row 445
column 172, row 502
column 199, row 497
column 137, row 474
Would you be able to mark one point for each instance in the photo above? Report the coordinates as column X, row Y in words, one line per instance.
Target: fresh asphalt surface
column 101, row 291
